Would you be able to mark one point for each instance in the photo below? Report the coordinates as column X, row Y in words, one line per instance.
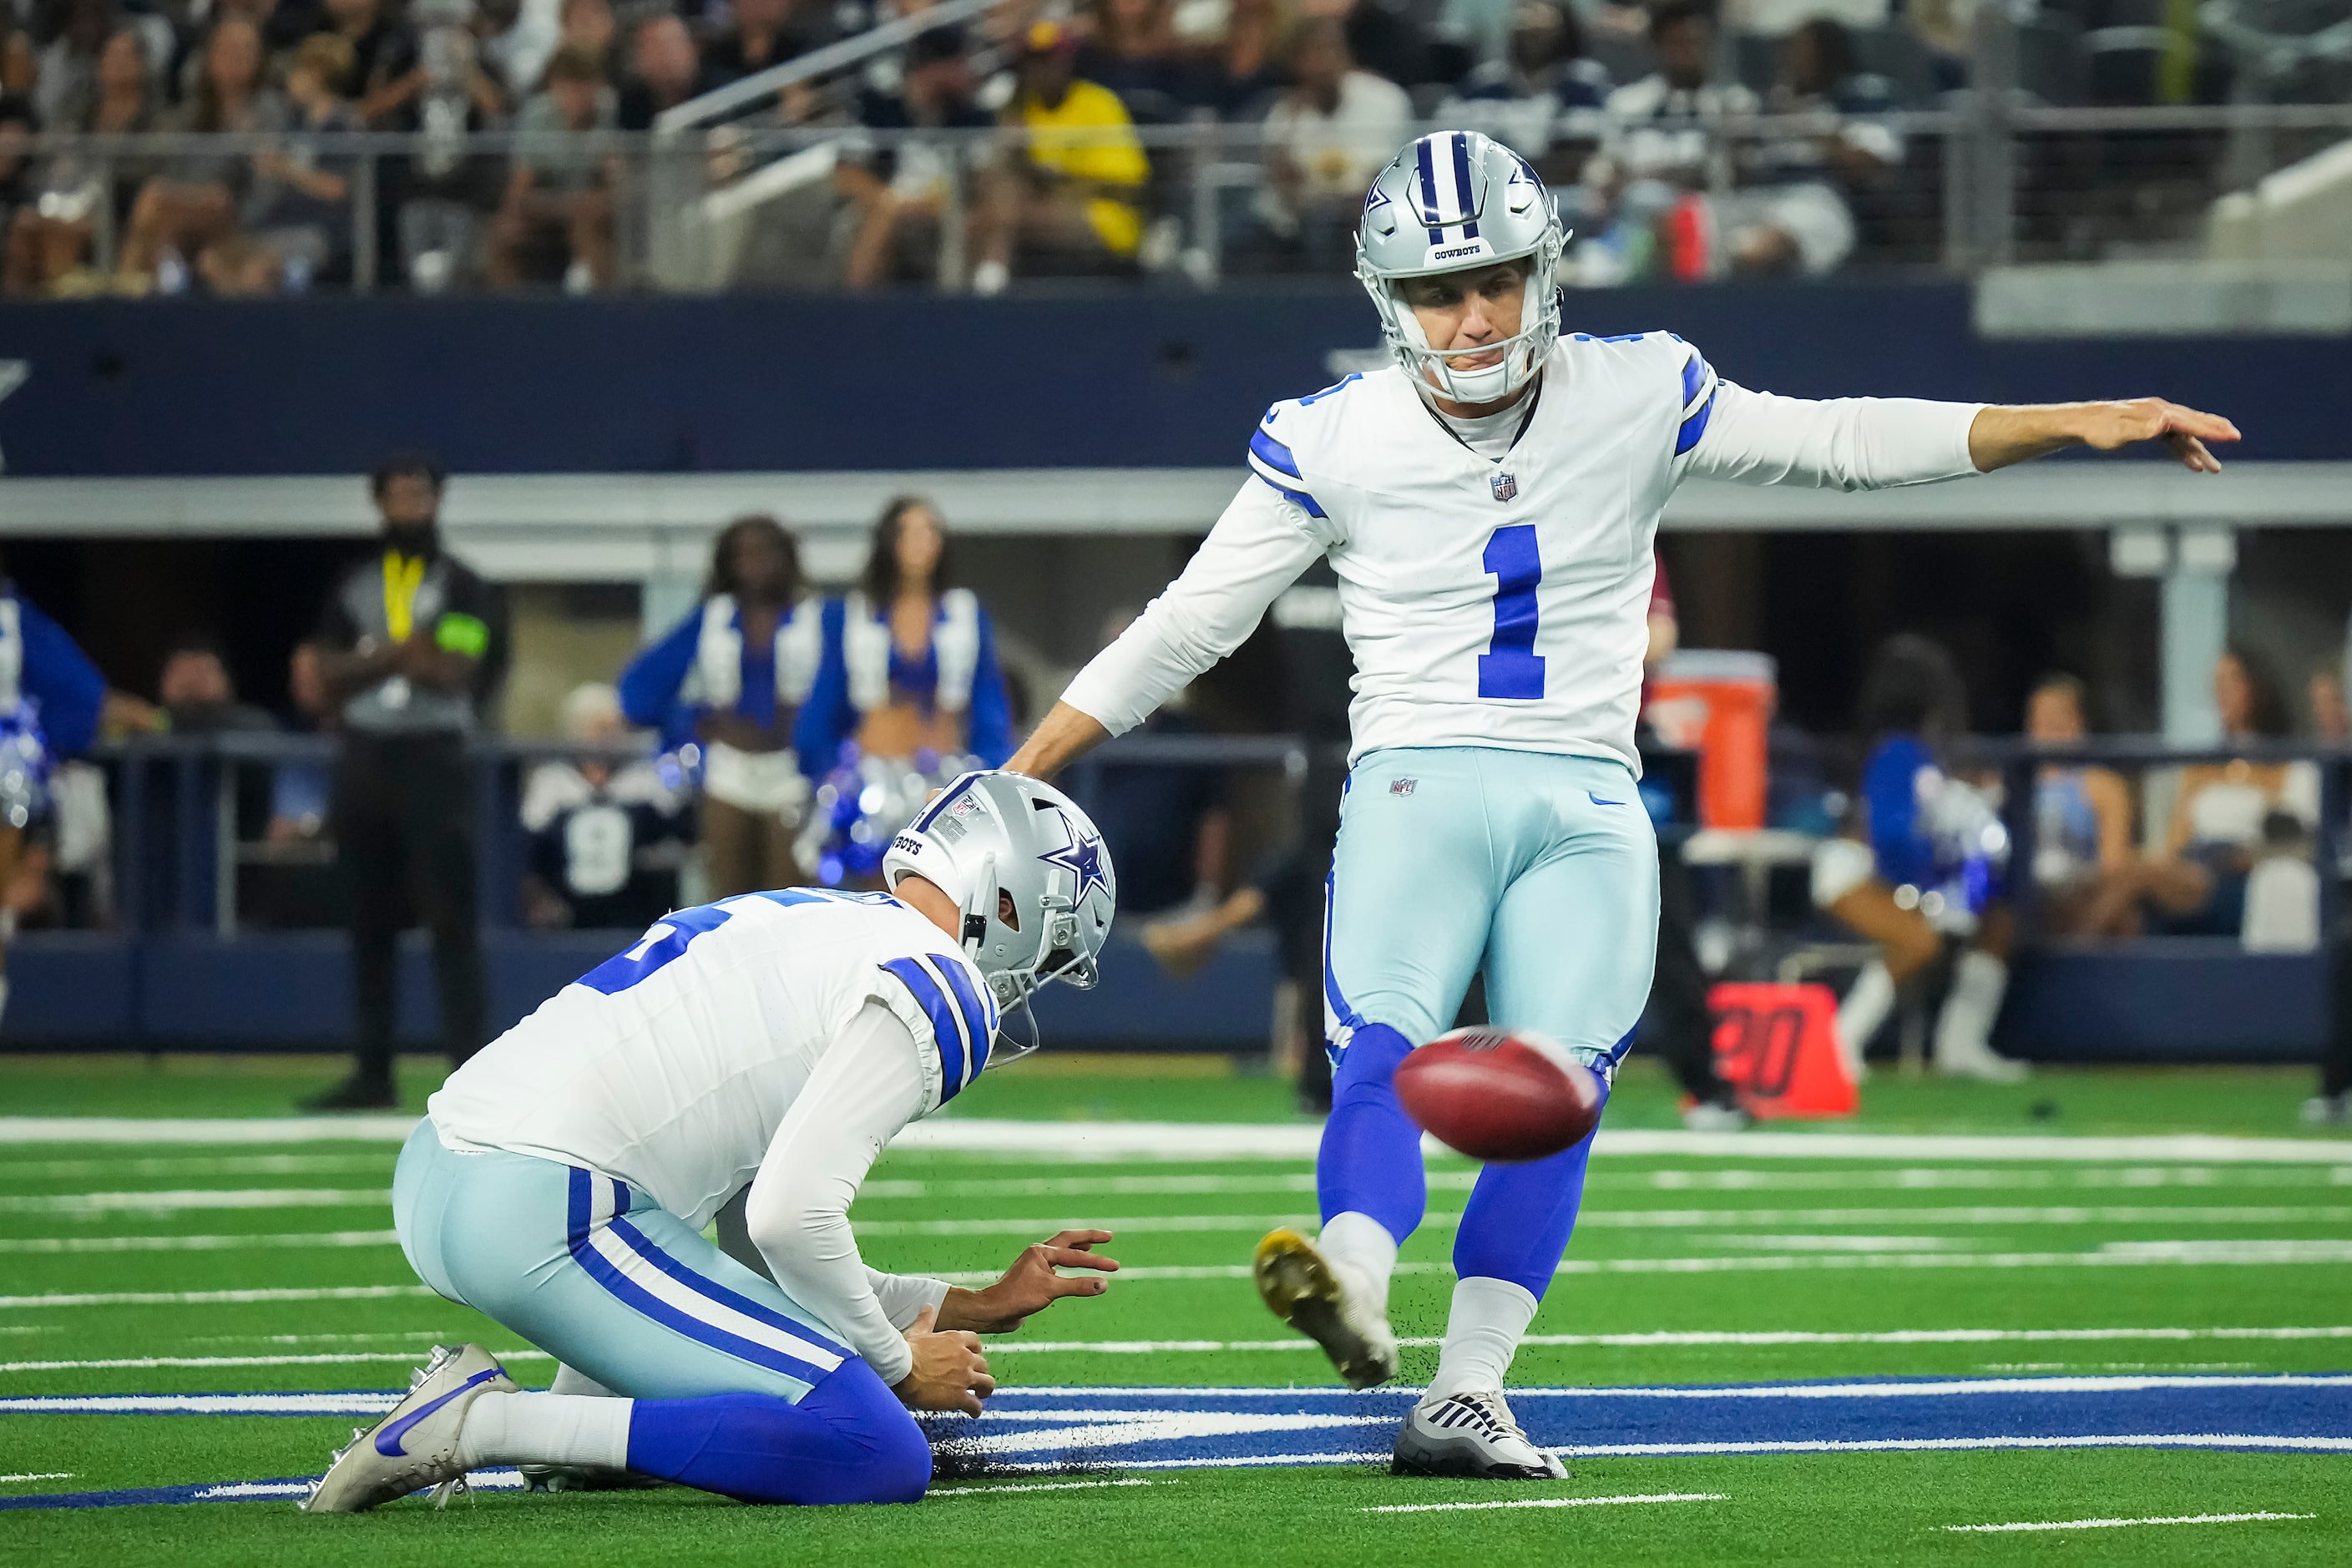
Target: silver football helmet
column 990, row 833
column 1454, row 200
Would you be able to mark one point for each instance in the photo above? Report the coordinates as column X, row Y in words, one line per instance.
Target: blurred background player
column 408, row 642
column 768, row 1048
column 1492, row 531
column 1930, row 862
column 731, row 677
column 607, row 833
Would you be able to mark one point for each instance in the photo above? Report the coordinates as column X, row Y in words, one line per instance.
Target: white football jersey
column 670, row 1066
column 1498, row 602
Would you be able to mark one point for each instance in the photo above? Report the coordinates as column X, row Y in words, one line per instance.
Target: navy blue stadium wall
column 292, row 991
column 2198, row 1001
column 325, row 386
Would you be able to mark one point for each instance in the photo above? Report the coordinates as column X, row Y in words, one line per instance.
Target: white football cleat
column 1306, row 1290
column 1471, row 1434
column 415, row 1445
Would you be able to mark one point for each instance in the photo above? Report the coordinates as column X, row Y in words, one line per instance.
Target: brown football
column 1500, row 1094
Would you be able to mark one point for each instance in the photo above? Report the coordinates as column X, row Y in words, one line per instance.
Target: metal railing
column 192, row 848
column 1983, row 181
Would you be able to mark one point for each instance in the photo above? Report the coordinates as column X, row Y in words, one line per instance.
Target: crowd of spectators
column 1622, row 106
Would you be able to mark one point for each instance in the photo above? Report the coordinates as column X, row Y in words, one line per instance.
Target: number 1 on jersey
column 1511, row 667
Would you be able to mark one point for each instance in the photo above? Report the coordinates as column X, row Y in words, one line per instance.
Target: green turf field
column 145, row 1267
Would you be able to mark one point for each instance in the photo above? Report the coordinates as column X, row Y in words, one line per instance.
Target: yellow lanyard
column 403, row 577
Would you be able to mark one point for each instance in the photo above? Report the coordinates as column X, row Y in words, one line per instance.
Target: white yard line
column 1083, row 1140
column 2113, row 1255
column 379, row 1163
column 1893, row 1445
column 1930, row 1178
column 1545, row 1502
column 317, row 1238
column 163, row 1202
column 2120, row 1523
column 415, row 1353
column 1952, row 1388
column 1042, row 1487
column 1914, row 1178
column 37, row 1476
column 206, row 1129
column 213, row 1298
column 1666, row 1219
column 1669, row 1338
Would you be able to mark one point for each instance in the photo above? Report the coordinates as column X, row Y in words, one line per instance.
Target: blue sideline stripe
column 979, row 1026
column 1694, row 427
column 1462, row 180
column 1275, row 455
column 944, row 1032
column 645, row 1247
column 638, row 1298
column 1305, row 501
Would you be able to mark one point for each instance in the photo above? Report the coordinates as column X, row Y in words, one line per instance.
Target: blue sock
column 1518, row 1222
column 1370, row 1162
column 848, row 1440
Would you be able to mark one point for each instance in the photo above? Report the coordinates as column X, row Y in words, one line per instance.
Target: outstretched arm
column 1875, row 443
column 2000, row 436
column 1258, row 547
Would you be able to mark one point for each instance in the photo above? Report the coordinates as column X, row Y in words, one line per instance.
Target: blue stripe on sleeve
column 1694, row 377
column 1301, row 497
column 975, row 1012
column 944, row 1033
column 1694, row 427
column 1275, row 455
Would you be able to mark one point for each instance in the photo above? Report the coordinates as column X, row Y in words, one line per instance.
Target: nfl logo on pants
column 1505, row 486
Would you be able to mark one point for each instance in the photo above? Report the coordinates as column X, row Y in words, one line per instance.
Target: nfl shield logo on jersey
column 1505, row 486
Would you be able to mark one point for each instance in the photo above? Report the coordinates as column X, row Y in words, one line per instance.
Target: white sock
column 1360, row 1244
column 547, row 1429
column 1864, row 1011
column 1482, row 1335
column 572, row 1380
column 1964, row 1028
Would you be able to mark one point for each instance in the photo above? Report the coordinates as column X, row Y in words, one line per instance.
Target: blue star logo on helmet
column 1082, row 858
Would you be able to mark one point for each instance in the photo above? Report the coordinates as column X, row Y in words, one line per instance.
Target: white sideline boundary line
column 51, row 1245
column 415, row 1357
column 2120, row 1523
column 1894, row 1444
column 215, row 1298
column 1042, row 1487
column 1546, row 1502
column 171, row 1200
column 1061, row 1141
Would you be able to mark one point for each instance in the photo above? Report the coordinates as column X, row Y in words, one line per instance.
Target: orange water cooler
column 1719, row 702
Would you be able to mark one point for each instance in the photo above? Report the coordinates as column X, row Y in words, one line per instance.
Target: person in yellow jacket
column 1071, row 201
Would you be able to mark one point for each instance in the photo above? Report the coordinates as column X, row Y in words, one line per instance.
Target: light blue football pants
column 596, row 1272
column 738, row 1390
column 1541, row 870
